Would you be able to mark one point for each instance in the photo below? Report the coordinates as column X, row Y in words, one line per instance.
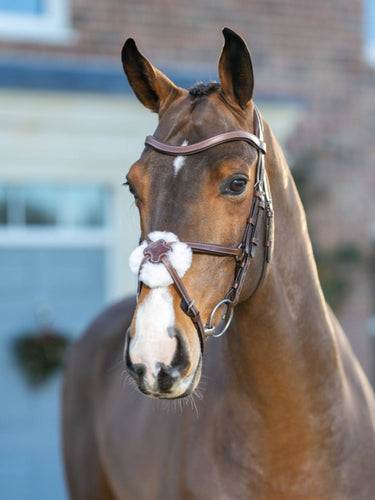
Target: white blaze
column 153, row 342
column 179, row 161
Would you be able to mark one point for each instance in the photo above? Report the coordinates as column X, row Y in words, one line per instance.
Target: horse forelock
column 201, row 90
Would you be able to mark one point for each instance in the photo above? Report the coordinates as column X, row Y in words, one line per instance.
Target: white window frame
column 370, row 53
column 51, row 26
column 368, row 19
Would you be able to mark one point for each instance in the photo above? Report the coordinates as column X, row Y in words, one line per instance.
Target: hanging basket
column 40, row 354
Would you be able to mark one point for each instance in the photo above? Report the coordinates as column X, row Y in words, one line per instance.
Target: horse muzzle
column 165, row 371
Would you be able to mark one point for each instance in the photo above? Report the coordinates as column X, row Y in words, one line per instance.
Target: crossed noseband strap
column 173, row 257
column 159, row 251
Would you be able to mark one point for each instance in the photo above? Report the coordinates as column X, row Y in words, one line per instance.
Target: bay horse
column 284, row 410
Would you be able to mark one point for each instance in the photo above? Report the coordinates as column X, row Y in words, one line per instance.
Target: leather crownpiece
column 156, row 250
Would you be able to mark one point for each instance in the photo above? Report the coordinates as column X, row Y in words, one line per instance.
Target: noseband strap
column 261, row 209
column 187, row 305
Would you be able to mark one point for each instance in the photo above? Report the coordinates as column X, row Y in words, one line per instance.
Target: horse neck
column 284, row 350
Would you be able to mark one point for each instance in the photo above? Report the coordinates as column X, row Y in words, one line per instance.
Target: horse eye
column 237, row 186
column 131, row 189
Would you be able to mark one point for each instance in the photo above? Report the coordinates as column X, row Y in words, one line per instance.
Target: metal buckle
column 210, row 328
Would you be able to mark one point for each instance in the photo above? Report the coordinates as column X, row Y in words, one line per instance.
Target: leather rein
column 261, row 208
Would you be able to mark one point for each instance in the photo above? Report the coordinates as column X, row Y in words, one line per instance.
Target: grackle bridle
column 261, row 208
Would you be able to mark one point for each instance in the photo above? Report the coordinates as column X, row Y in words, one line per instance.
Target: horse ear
column 236, row 69
column 149, row 84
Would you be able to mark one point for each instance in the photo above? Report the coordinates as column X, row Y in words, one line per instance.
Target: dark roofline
column 94, row 76
column 70, row 75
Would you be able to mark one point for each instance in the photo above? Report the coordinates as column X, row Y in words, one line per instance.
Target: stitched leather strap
column 235, row 135
column 211, row 249
column 187, row 305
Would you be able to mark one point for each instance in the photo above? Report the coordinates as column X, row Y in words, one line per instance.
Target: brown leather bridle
column 261, row 208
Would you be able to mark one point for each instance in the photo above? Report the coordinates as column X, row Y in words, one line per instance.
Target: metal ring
column 209, row 328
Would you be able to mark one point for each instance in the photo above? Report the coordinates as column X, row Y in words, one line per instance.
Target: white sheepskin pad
column 156, row 275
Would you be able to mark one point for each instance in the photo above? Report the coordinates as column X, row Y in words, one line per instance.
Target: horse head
column 202, row 194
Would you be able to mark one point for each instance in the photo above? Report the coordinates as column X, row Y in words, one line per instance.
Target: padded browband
column 235, row 135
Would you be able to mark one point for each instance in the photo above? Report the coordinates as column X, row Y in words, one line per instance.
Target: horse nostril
column 181, row 359
column 166, row 378
column 136, row 370
column 167, row 375
column 139, row 369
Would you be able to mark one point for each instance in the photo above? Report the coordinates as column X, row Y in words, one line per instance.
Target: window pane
column 3, row 206
column 22, row 6
column 369, row 20
column 41, row 205
column 54, row 205
column 369, row 29
column 84, row 206
column 15, row 197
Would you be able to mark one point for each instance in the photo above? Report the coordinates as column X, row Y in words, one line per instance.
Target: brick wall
column 286, row 35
